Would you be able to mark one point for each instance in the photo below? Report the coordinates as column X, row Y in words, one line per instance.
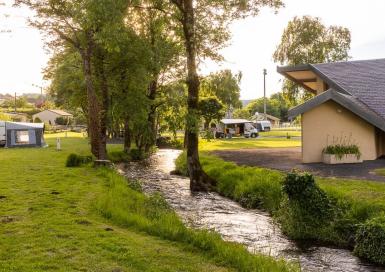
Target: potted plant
column 339, row 153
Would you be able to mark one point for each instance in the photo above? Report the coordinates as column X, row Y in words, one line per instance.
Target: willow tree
column 203, row 27
column 308, row 40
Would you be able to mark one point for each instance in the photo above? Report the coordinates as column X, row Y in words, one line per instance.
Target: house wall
column 329, row 120
column 47, row 117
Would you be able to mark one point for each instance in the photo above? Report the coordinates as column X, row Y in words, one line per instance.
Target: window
column 22, row 137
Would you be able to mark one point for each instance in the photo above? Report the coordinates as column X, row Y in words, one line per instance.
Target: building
column 348, row 106
column 275, row 121
column 50, row 116
column 17, row 117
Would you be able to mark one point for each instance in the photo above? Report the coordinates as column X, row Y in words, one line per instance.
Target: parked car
column 263, row 125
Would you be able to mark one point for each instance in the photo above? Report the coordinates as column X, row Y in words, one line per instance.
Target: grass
column 380, row 171
column 245, row 143
column 281, row 133
column 54, row 218
column 253, row 187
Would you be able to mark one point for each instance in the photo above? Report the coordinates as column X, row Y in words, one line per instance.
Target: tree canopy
column 308, row 40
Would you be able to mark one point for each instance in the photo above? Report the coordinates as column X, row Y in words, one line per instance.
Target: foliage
column 137, row 154
column 64, row 121
column 225, row 86
column 370, row 239
column 308, row 211
column 276, row 105
column 118, row 156
column 308, row 40
column 37, row 120
column 341, row 150
column 210, row 108
column 5, row 117
column 75, row 160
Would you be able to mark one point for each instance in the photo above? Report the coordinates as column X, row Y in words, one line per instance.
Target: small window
column 22, row 137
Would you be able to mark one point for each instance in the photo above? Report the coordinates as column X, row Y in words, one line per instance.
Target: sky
column 23, row 56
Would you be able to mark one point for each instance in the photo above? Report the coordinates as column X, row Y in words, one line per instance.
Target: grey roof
column 360, row 84
column 365, row 80
column 347, row 101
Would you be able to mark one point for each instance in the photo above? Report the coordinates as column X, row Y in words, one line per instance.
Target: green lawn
column 281, row 133
column 54, row 218
column 244, row 143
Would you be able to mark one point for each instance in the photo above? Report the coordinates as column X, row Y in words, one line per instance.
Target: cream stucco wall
column 47, row 117
column 322, row 123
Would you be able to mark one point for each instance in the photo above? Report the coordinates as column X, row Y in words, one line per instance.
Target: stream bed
column 253, row 228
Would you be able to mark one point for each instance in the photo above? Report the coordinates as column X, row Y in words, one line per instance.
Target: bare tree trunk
column 199, row 180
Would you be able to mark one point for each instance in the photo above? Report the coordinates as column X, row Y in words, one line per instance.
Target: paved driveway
column 285, row 159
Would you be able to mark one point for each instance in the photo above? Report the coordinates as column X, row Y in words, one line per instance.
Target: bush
column 37, row 120
column 74, row 160
column 137, row 154
column 370, row 240
column 306, row 212
column 118, row 156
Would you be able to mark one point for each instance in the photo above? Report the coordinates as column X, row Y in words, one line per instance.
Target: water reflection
column 253, row 228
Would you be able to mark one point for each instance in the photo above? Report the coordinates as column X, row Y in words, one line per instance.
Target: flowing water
column 253, row 228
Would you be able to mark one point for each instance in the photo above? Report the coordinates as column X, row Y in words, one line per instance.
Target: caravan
column 13, row 134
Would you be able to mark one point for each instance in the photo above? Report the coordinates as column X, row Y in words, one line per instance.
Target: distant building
column 50, row 116
column 275, row 121
column 17, row 117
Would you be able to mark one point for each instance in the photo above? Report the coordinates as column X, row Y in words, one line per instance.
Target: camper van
column 15, row 134
column 263, row 125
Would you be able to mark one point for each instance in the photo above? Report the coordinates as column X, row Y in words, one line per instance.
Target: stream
column 253, row 228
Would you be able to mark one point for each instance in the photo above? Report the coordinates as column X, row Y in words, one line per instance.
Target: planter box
column 348, row 158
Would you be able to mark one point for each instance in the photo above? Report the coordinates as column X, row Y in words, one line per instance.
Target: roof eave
column 371, row 118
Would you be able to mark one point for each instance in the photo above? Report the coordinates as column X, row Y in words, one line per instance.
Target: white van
column 263, row 125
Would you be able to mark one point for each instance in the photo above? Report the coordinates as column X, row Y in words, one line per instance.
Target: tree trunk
column 92, row 101
column 105, row 106
column 199, row 180
column 127, row 135
column 151, row 119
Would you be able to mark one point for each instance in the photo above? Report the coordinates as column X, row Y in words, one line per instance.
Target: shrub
column 37, row 120
column 340, row 150
column 137, row 154
column 370, row 240
column 307, row 211
column 74, row 160
column 118, row 156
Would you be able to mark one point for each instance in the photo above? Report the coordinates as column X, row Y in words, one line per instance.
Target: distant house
column 50, row 116
column 275, row 121
column 348, row 106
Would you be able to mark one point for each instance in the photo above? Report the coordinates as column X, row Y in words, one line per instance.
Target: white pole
column 58, row 144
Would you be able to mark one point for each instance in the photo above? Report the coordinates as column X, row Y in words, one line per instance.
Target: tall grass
column 151, row 214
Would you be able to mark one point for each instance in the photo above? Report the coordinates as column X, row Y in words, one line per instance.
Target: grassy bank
column 355, row 202
column 54, row 218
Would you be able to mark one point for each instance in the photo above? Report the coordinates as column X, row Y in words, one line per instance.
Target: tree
column 307, row 40
column 203, row 26
column 276, row 105
column 225, row 86
column 210, row 108
column 88, row 27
